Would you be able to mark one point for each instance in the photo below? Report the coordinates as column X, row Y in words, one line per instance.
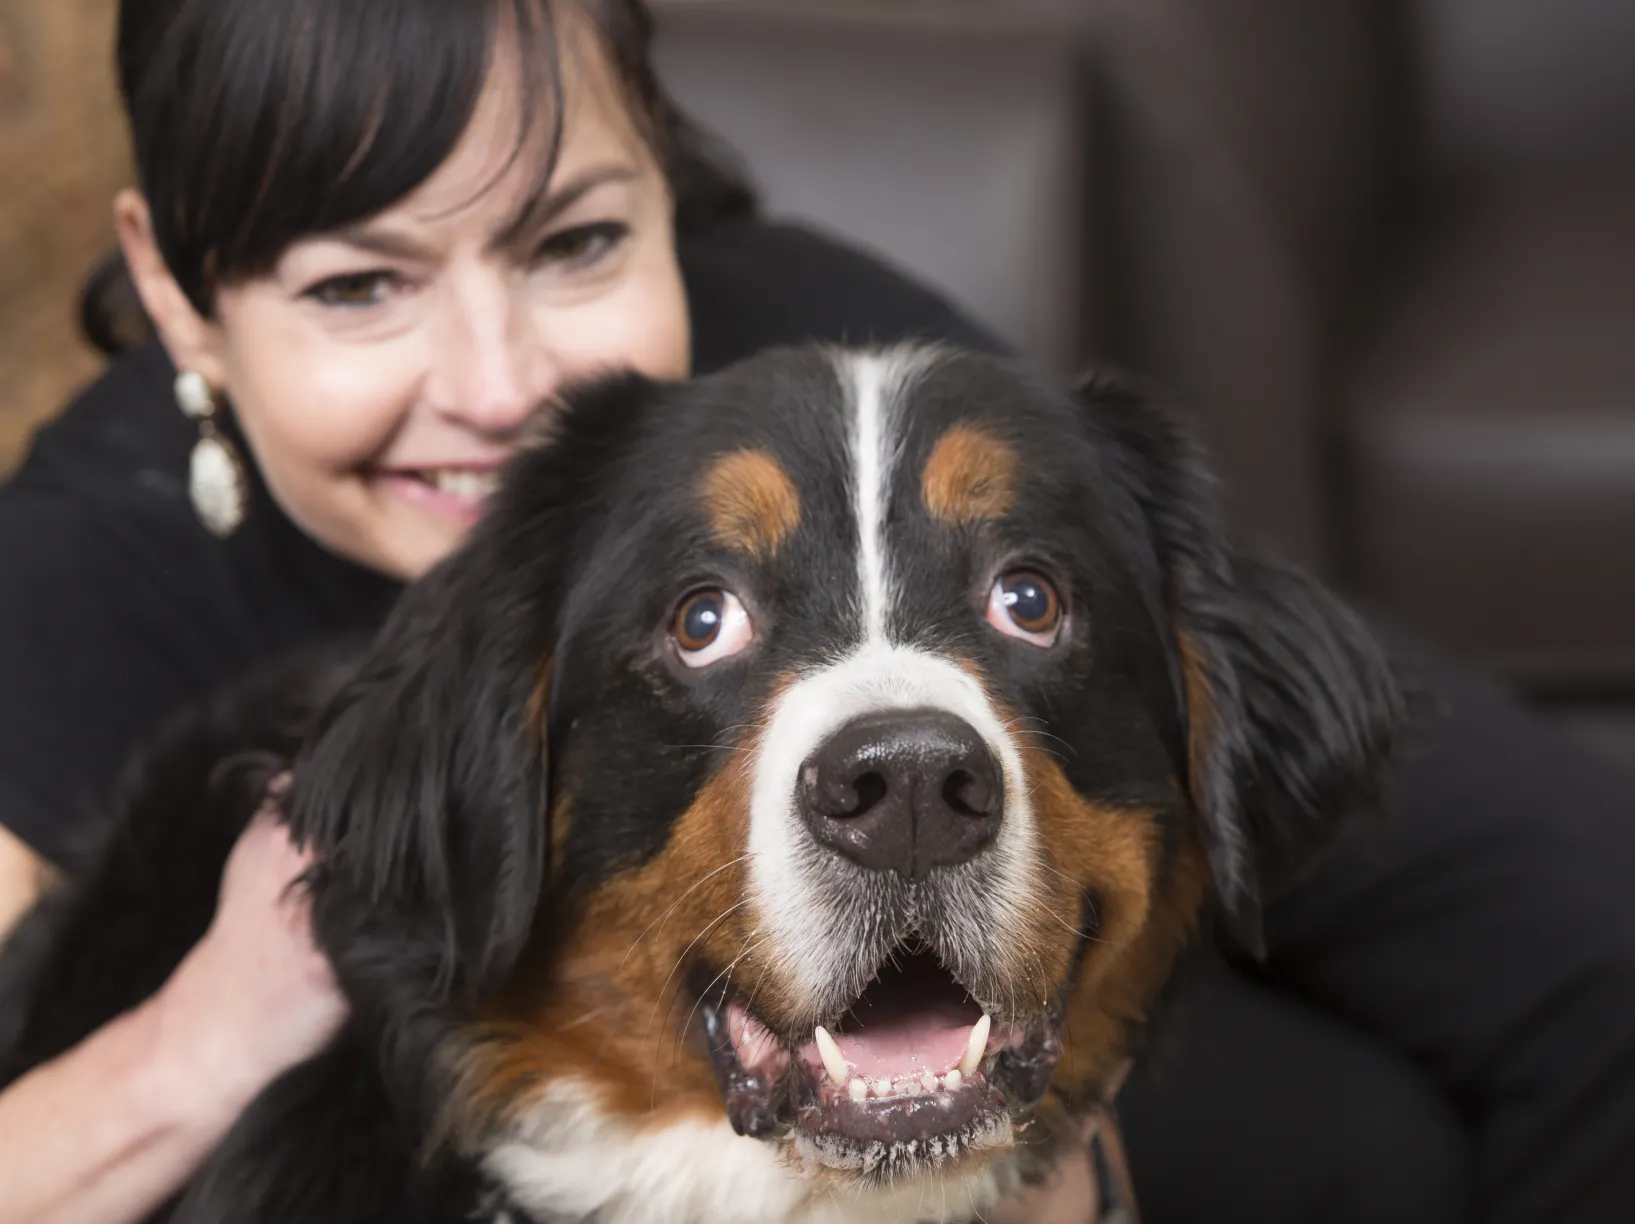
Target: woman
column 372, row 237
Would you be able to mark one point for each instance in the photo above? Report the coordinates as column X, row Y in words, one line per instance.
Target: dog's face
column 808, row 776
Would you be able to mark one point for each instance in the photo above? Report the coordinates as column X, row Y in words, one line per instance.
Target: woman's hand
column 22, row 874
column 255, row 996
column 110, row 1130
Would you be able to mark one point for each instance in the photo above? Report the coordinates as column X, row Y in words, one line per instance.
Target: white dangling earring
column 215, row 478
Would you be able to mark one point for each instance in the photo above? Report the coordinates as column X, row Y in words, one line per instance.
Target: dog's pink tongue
column 905, row 1046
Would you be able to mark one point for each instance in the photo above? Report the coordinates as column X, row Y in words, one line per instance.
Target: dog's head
column 839, row 750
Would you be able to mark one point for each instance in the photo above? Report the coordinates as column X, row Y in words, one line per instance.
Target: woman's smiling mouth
column 453, row 492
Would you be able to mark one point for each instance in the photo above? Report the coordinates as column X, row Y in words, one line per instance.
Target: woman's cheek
column 641, row 324
column 336, row 406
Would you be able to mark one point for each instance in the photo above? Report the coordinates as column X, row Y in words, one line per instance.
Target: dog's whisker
column 671, row 907
column 664, row 990
column 970, row 1196
column 749, row 1003
column 582, row 1020
column 681, row 1033
column 725, row 973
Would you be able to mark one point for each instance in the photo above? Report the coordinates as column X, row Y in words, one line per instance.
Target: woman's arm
column 1486, row 932
column 109, row 1131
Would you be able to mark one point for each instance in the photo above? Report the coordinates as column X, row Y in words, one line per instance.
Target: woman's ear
column 423, row 789
column 1291, row 706
column 193, row 342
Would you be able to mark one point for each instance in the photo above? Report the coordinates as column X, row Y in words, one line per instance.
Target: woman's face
column 381, row 374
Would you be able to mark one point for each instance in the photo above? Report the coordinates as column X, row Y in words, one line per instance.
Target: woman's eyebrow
column 537, row 213
column 384, row 243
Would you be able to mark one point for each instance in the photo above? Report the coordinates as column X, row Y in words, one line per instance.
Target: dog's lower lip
column 772, row 1084
column 900, row 1119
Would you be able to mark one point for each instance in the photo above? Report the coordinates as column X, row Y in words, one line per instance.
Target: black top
column 117, row 607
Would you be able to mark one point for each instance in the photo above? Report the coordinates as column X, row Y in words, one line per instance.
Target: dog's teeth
column 928, row 1081
column 881, row 1088
column 953, row 1080
column 977, row 1046
column 858, row 1088
column 908, row 1087
column 834, row 1062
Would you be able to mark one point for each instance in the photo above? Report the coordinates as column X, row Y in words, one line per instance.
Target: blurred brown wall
column 62, row 157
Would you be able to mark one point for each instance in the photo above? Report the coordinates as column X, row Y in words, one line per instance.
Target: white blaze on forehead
column 799, row 909
column 875, row 383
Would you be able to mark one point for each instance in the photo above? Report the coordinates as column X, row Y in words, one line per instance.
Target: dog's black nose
column 903, row 791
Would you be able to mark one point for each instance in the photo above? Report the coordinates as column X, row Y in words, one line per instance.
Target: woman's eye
column 710, row 625
column 583, row 244
column 1023, row 604
column 352, row 290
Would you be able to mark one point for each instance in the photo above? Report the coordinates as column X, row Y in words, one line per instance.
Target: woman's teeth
column 463, row 483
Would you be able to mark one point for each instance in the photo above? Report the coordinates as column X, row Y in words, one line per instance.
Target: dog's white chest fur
column 571, row 1161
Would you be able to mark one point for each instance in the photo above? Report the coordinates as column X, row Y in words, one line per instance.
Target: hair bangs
column 313, row 115
column 256, row 123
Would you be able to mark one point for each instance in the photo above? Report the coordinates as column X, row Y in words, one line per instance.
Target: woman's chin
column 402, row 532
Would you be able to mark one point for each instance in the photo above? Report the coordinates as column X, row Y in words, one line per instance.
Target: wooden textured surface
column 63, row 155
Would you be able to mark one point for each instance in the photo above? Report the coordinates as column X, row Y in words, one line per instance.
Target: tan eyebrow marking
column 752, row 503
column 970, row 476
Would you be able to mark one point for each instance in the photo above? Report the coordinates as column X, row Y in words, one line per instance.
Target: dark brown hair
column 258, row 122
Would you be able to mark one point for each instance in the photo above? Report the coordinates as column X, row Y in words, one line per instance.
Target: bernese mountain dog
column 789, row 805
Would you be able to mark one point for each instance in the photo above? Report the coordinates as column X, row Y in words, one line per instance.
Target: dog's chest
column 570, row 1162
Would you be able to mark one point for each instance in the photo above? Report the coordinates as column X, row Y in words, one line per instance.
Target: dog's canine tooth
column 977, row 1046
column 834, row 1062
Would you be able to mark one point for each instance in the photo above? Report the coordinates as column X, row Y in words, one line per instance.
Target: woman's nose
column 491, row 368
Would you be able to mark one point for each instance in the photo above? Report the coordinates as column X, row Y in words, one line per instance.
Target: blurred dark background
column 1384, row 249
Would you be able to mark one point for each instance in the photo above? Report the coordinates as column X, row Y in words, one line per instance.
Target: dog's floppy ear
column 1291, row 707
column 423, row 790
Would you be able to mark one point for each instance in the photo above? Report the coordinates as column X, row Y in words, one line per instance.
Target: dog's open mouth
column 914, row 1072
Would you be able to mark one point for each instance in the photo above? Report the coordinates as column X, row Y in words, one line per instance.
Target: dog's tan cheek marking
column 751, row 502
column 970, row 476
column 1106, row 852
column 1112, row 1002
column 606, row 1010
column 1149, row 911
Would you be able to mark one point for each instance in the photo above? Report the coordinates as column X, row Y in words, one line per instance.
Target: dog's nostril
column 904, row 791
column 967, row 794
column 870, row 789
column 839, row 797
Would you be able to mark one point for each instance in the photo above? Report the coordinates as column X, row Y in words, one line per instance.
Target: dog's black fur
column 421, row 782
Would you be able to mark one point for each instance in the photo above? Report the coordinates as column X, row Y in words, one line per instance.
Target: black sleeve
column 85, row 674
column 753, row 285
column 1487, row 933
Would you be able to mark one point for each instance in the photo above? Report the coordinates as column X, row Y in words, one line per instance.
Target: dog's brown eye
column 698, row 623
column 1024, row 604
column 710, row 625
